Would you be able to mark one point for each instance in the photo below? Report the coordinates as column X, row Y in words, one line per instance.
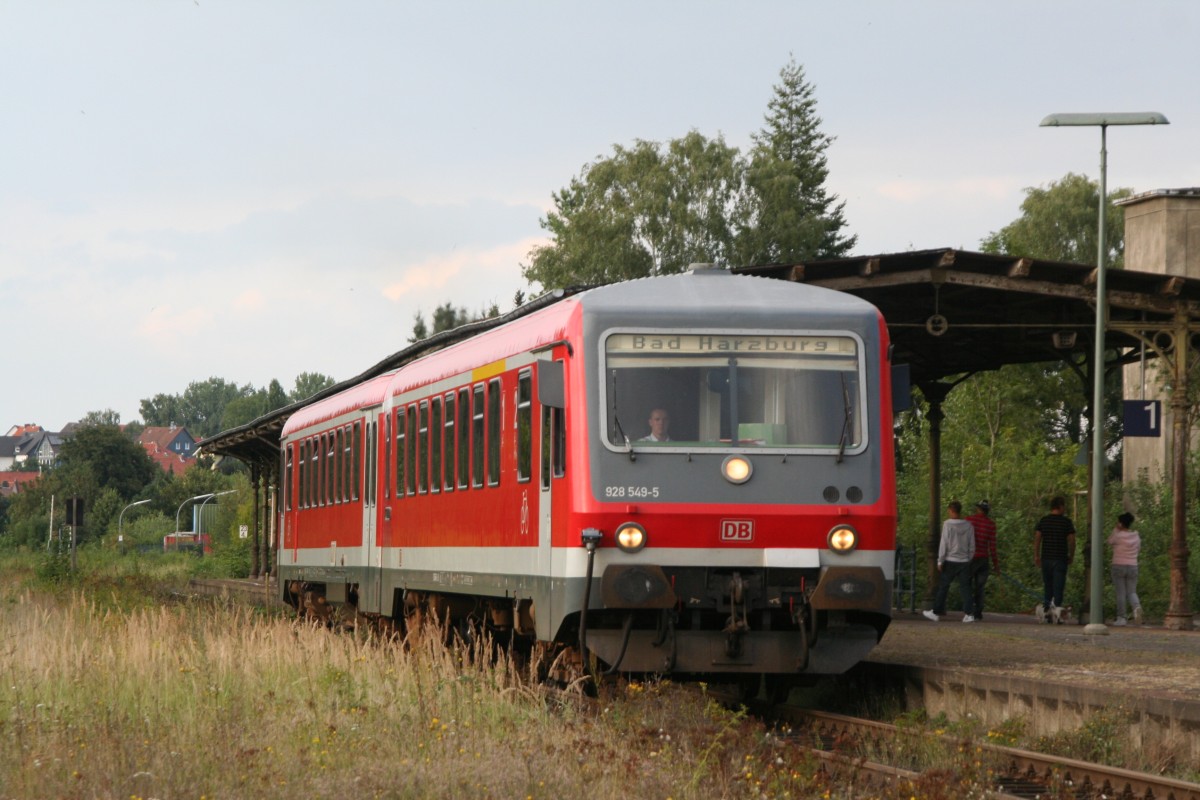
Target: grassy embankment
column 111, row 686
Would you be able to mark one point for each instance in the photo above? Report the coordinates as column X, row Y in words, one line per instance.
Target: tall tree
column 204, row 404
column 112, row 458
column 446, row 317
column 162, row 410
column 644, row 210
column 105, row 417
column 309, row 383
column 791, row 215
column 1060, row 222
column 276, row 396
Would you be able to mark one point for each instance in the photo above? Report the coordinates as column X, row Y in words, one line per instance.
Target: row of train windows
column 442, row 443
column 328, row 465
column 453, row 442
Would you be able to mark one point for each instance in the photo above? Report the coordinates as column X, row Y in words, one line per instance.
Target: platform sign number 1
column 1143, row 418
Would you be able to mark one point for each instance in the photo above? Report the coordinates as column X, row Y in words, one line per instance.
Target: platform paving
column 1053, row 675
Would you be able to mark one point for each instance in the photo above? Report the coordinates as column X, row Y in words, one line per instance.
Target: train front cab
column 760, row 537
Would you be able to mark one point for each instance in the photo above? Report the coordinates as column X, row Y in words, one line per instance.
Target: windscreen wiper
column 847, row 417
column 617, row 419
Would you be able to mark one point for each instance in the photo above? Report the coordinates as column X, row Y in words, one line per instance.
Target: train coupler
column 736, row 627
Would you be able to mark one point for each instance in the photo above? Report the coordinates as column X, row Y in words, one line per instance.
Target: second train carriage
column 488, row 480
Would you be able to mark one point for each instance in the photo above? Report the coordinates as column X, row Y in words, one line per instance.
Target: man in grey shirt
column 955, row 552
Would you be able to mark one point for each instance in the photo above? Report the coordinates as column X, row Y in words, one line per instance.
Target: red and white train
column 510, row 480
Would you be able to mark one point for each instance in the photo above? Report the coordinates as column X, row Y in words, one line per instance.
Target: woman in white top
column 1125, row 544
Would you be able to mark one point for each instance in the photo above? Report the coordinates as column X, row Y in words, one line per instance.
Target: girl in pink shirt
column 1125, row 544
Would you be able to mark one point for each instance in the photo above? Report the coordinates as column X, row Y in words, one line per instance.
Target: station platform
column 1055, row 676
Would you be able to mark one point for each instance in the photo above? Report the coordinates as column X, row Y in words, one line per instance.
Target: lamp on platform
column 1101, row 121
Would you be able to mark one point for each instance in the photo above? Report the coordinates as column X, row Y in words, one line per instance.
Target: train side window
column 314, row 472
column 464, row 438
column 335, row 463
column 319, row 455
column 493, row 434
column 524, row 426
column 302, row 474
column 369, row 468
column 410, row 457
column 559, row 425
column 330, row 469
column 386, row 447
column 347, row 463
column 401, row 444
column 287, row 477
column 544, row 459
column 423, row 455
column 448, row 449
column 299, row 467
column 357, row 440
column 435, row 444
column 477, row 438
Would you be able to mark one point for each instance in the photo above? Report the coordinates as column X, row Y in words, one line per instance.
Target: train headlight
column 843, row 539
column 737, row 469
column 630, row 537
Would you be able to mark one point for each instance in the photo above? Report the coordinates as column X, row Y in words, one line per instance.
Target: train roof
column 536, row 324
column 363, row 395
column 662, row 296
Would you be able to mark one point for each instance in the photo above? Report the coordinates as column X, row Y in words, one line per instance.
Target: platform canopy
column 951, row 312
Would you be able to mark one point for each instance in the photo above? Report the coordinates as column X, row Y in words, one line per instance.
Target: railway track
column 1011, row 772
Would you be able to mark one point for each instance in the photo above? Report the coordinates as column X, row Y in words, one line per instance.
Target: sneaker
column 968, row 618
column 1119, row 621
column 1137, row 616
column 929, row 615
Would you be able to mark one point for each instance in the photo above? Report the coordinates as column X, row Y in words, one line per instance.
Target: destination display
column 714, row 343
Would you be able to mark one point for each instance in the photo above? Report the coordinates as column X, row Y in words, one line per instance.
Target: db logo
column 737, row 530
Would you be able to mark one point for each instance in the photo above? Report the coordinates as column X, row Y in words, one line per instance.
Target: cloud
column 438, row 271
column 249, row 300
column 165, row 325
column 918, row 191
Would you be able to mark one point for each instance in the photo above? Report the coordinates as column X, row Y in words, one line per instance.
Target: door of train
column 551, row 454
column 370, row 577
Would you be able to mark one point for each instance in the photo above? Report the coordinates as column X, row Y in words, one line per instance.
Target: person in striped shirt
column 1053, row 551
column 985, row 554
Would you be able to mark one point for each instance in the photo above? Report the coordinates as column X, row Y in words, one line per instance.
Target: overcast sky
column 251, row 190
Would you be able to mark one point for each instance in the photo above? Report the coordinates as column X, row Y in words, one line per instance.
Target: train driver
column 659, row 422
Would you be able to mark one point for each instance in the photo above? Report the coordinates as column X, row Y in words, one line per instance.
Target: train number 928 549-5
column 642, row 492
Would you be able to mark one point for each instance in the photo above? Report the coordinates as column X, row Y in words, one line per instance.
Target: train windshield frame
column 795, row 391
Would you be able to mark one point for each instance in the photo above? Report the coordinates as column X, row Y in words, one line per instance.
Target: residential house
column 25, row 442
column 172, row 448
column 11, row 482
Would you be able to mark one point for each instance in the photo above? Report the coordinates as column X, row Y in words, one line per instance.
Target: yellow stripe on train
column 488, row 371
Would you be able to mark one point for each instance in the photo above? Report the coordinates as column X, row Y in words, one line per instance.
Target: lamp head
column 1105, row 118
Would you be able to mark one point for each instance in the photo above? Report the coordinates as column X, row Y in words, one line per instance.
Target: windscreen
column 704, row 390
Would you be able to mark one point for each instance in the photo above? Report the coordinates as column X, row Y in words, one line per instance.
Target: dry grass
column 197, row 700
column 202, row 701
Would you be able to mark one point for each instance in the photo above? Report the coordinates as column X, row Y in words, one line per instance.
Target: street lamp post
column 1101, row 120
column 121, row 519
column 210, row 497
column 207, row 496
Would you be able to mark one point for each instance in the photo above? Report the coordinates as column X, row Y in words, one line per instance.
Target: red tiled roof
column 11, row 482
column 166, row 460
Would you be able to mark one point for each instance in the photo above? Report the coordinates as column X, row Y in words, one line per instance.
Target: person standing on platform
column 1125, row 545
column 954, row 561
column 1053, row 551
column 985, row 555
